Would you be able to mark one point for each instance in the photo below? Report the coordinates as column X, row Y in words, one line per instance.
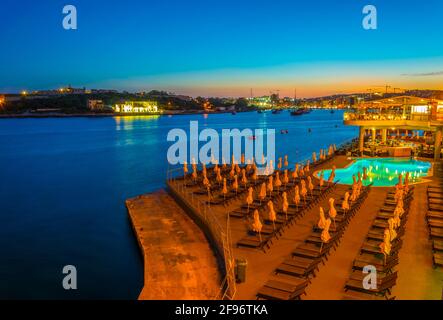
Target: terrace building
column 96, row 105
column 403, row 113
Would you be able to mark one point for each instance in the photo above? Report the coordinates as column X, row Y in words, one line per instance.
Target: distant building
column 95, row 91
column 136, row 107
column 263, row 102
column 96, row 105
column 62, row 91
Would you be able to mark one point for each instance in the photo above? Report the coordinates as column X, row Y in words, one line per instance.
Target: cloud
column 425, row 74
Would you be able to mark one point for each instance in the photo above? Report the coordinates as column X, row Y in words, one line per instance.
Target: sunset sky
column 222, row 47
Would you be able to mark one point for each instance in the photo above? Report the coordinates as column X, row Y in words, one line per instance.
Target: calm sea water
column 63, row 183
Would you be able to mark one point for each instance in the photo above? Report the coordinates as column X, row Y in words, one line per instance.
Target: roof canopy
column 398, row 102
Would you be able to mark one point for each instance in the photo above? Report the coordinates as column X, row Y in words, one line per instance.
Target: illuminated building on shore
column 2, row 102
column 136, row 107
column 262, row 102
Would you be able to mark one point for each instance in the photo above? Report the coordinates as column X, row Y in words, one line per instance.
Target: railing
column 368, row 116
column 221, row 237
column 376, row 116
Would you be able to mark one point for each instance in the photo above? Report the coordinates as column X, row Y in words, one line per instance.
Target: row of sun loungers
column 434, row 218
column 304, row 261
column 371, row 255
column 273, row 230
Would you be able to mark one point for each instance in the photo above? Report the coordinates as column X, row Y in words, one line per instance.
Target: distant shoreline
column 101, row 115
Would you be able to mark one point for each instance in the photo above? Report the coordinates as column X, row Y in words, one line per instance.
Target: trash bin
column 240, row 270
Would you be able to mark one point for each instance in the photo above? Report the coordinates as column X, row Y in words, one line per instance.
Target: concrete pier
column 178, row 261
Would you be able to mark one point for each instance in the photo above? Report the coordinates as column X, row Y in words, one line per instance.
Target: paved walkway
column 417, row 279
column 331, row 279
column 179, row 263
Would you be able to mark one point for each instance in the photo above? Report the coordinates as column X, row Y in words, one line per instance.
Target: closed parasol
column 303, row 190
column 310, row 185
column 250, row 197
column 270, row 186
column 332, row 175
column 325, row 236
column 332, row 211
column 297, row 196
column 272, row 214
column 279, row 164
column 285, row 177
column 257, row 225
column 322, row 221
column 225, row 188
column 385, row 246
column 262, row 194
column 277, row 182
column 286, row 162
column 285, row 205
column 392, row 232
column 345, row 203
column 244, row 180
column 235, row 184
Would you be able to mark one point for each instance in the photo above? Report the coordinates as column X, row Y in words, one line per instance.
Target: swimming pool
column 382, row 172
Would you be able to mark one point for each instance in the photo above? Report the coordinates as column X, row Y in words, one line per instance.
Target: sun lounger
column 435, row 223
column 293, row 269
column 378, row 234
column 436, row 233
column 383, row 288
column 435, row 201
column 438, row 259
column 308, row 250
column 435, row 207
column 254, row 242
column 373, row 246
column 437, row 245
column 374, row 259
column 434, row 215
column 356, row 295
column 277, row 290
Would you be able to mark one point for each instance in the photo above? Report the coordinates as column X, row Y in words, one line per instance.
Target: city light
column 136, row 107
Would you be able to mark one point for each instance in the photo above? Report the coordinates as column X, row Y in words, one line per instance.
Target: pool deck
column 417, row 279
column 178, row 261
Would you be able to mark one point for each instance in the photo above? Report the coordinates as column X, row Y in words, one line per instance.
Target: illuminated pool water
column 382, row 172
